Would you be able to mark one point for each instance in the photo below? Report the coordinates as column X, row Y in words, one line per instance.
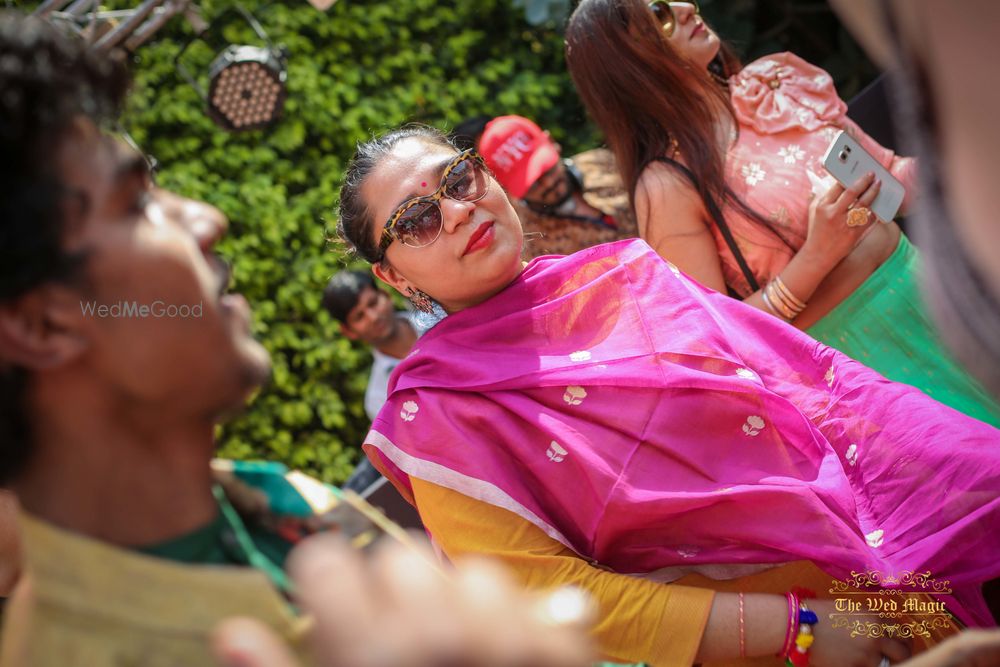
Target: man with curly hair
column 119, row 352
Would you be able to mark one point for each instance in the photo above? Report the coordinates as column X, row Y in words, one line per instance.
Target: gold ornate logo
column 873, row 604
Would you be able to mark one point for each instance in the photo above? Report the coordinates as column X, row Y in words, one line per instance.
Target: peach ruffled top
column 788, row 113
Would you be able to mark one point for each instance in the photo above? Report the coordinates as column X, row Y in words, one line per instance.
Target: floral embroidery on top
column 409, row 411
column 574, row 395
column 852, row 454
column 781, row 217
column 875, row 538
column 753, row 425
column 792, row 153
column 556, row 452
column 753, row 173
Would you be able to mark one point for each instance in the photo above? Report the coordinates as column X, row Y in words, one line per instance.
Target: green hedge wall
column 360, row 67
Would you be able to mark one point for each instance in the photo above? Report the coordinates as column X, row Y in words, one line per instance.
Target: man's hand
column 395, row 608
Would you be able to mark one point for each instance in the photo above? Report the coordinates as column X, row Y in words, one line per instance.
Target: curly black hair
column 46, row 80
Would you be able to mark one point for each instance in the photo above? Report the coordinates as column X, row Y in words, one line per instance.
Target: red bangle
column 743, row 636
column 793, row 623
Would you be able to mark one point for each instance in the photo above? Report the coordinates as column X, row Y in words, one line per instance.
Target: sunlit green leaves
column 363, row 66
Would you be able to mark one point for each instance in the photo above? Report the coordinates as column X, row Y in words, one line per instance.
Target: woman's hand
column 834, row 647
column 830, row 238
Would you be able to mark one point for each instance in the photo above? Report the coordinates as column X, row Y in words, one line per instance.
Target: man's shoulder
column 90, row 602
column 604, row 189
column 596, row 158
column 600, row 175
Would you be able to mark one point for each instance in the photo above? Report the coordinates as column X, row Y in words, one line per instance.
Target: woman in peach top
column 724, row 167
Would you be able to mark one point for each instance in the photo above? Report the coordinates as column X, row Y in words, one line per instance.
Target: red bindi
column 423, row 184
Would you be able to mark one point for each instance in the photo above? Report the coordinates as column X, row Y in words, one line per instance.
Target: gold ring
column 858, row 217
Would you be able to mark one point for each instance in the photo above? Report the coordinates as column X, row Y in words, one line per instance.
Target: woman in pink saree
column 650, row 426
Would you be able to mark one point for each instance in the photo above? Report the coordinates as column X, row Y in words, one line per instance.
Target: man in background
column 367, row 314
column 565, row 204
column 120, row 352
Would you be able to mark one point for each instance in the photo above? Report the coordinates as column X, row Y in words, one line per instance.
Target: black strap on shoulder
column 720, row 222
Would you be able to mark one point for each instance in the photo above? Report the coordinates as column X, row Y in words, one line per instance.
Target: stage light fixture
column 247, row 88
column 246, row 84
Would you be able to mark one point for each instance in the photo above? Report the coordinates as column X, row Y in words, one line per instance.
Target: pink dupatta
column 657, row 427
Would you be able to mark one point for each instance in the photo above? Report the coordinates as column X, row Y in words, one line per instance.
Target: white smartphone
column 847, row 161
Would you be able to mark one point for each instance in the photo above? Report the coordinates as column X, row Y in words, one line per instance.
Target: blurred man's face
column 373, row 317
column 158, row 326
column 551, row 188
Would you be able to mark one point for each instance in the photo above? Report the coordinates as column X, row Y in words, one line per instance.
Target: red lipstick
column 481, row 237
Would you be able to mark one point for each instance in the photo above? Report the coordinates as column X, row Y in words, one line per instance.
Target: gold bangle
column 788, row 308
column 770, row 306
column 787, row 311
column 767, row 302
column 797, row 303
column 779, row 298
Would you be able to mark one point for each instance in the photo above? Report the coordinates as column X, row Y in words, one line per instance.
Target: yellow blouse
column 639, row 620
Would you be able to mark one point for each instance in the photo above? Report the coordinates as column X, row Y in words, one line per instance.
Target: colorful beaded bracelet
column 797, row 655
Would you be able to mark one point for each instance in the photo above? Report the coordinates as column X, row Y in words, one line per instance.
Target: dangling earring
column 719, row 79
column 717, row 71
column 420, row 300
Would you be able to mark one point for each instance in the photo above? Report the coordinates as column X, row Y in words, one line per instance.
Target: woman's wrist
column 766, row 624
column 780, row 300
column 763, row 624
column 799, row 638
column 817, row 258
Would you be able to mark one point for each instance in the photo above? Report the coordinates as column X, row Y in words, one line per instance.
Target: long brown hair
column 647, row 98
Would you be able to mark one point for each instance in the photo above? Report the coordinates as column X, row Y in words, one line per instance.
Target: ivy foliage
column 359, row 68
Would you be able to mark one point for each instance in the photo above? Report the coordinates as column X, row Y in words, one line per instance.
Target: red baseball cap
column 518, row 152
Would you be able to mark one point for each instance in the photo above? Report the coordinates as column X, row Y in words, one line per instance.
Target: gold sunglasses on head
column 665, row 14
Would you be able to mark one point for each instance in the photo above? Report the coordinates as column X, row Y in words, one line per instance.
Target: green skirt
column 885, row 325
